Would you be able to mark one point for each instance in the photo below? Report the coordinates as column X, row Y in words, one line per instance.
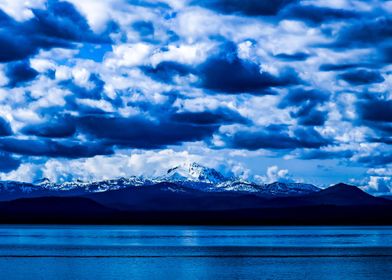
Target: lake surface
column 187, row 252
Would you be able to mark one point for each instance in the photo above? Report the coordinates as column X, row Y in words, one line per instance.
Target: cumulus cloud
column 274, row 174
column 82, row 84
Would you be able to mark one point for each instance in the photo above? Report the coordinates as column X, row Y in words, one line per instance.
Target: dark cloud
column 309, row 116
column 300, row 56
column 94, row 91
column 138, row 132
column 8, row 162
column 385, row 54
column 57, row 127
column 233, row 75
column 381, row 139
column 375, row 110
column 361, row 77
column 376, row 114
column 5, row 128
column 219, row 116
column 342, row 67
column 310, row 138
column 61, row 20
column 298, row 97
column 166, row 71
column 377, row 158
column 19, row 73
column 51, row 148
column 59, row 25
column 225, row 72
column 276, row 137
column 305, row 104
column 317, row 15
column 245, row 7
column 364, row 33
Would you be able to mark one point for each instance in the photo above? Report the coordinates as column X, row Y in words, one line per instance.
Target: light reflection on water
column 187, row 252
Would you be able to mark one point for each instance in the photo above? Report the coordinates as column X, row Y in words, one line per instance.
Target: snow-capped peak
column 194, row 172
column 42, row 181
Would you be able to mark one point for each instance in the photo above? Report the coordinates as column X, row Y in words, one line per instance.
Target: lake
column 194, row 252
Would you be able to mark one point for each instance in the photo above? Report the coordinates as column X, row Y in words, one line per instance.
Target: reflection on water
column 183, row 252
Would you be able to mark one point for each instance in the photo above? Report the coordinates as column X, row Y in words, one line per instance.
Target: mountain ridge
column 190, row 175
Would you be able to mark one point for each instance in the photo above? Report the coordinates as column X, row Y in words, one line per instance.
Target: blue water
column 185, row 252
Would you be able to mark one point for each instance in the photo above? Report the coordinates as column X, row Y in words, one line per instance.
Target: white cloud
column 274, row 174
column 98, row 13
column 128, row 55
column 21, row 9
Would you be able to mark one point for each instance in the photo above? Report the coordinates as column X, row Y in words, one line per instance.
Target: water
column 184, row 252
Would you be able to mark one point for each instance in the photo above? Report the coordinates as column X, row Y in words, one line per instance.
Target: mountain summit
column 195, row 172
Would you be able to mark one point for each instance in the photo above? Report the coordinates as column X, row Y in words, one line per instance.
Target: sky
column 283, row 90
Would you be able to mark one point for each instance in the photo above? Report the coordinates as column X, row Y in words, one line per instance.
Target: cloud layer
column 303, row 85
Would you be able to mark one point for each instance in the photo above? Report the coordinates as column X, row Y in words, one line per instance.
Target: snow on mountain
column 187, row 175
column 100, row 186
column 237, row 185
column 14, row 187
column 194, row 172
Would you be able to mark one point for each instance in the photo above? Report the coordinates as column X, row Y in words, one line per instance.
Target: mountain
column 343, row 194
column 168, row 203
column 54, row 210
column 337, row 195
column 289, row 189
column 169, row 196
column 192, row 176
column 198, row 177
column 194, row 172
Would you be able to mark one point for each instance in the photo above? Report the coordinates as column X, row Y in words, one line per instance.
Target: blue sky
column 267, row 90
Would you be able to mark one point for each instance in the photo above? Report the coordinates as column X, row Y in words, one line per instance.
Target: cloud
column 227, row 73
column 325, row 154
column 19, row 73
column 276, row 137
column 375, row 110
column 145, row 28
column 219, row 116
column 5, row 128
column 341, row 67
column 58, row 127
column 379, row 157
column 361, row 77
column 59, row 25
column 166, row 71
column 364, row 33
column 379, row 181
column 317, row 15
column 51, row 148
column 306, row 103
column 309, row 116
column 138, row 132
column 274, row 174
column 91, row 89
column 245, row 7
column 299, row 56
column 301, row 96
column 82, row 84
column 8, row 162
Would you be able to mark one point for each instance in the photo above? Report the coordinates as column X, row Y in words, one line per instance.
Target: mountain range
column 191, row 176
column 189, row 193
